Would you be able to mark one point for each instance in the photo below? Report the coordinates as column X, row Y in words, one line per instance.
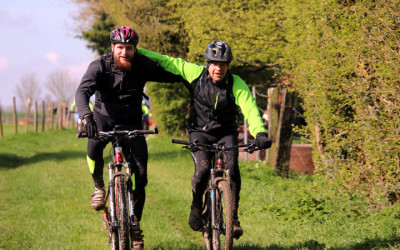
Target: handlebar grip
column 180, row 142
column 81, row 135
column 145, row 132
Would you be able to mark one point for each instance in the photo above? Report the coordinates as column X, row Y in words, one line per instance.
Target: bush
column 169, row 104
column 345, row 59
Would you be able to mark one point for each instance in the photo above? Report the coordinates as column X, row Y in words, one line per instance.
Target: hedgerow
column 345, row 58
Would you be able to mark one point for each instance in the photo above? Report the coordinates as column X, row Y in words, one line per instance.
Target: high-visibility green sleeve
column 72, row 106
column 247, row 104
column 189, row 71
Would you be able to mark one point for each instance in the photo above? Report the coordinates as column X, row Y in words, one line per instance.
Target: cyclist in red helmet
column 215, row 95
column 117, row 79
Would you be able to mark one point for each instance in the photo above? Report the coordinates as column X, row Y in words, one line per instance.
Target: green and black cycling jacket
column 213, row 107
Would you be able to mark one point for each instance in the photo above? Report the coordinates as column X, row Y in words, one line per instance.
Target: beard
column 124, row 66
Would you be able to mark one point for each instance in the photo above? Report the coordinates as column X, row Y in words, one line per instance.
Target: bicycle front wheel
column 121, row 211
column 224, row 215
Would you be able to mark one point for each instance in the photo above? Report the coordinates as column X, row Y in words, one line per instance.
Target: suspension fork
column 218, row 164
column 111, row 196
column 212, row 198
column 130, row 194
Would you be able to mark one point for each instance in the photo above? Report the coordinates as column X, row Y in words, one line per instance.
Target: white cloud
column 52, row 57
column 4, row 62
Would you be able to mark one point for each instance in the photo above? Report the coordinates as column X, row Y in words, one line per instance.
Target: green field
column 45, row 189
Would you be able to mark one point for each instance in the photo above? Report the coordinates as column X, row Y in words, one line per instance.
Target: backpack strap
column 106, row 64
column 195, row 87
column 230, row 87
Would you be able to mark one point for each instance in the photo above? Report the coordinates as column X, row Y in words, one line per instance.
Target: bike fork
column 130, row 196
column 112, row 198
column 214, row 223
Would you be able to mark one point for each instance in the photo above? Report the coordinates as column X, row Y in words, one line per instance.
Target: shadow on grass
column 311, row 244
column 14, row 161
column 375, row 243
column 169, row 247
column 392, row 242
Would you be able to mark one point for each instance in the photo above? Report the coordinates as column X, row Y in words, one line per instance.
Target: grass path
column 45, row 189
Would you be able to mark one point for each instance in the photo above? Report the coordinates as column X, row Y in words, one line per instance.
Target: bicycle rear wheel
column 224, row 215
column 121, row 211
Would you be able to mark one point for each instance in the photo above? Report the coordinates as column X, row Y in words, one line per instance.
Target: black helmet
column 124, row 35
column 218, row 51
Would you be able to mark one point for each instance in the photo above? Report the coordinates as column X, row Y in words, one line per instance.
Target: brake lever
column 192, row 148
column 251, row 149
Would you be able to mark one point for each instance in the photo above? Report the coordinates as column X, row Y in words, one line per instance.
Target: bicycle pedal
column 106, row 221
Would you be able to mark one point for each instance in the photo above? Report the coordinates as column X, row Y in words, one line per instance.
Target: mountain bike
column 118, row 219
column 218, row 202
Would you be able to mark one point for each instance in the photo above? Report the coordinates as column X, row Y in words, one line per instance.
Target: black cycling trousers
column 135, row 151
column 202, row 162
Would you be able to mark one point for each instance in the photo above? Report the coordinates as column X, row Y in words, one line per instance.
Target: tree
column 28, row 89
column 184, row 28
column 98, row 35
column 61, row 86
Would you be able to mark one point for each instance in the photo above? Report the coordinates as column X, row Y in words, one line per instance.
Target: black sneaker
column 237, row 229
column 195, row 221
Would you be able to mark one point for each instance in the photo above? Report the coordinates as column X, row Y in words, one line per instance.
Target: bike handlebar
column 220, row 147
column 129, row 133
column 180, row 142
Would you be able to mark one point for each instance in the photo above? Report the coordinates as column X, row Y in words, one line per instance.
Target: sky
column 39, row 37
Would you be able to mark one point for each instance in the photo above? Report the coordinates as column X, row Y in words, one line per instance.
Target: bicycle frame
column 114, row 170
column 219, row 186
column 120, row 219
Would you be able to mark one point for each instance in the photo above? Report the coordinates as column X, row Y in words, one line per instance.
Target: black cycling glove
column 262, row 141
column 90, row 126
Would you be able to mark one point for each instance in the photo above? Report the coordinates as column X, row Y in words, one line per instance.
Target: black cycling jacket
column 118, row 94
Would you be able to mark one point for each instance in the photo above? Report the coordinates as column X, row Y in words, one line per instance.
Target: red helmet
column 124, row 35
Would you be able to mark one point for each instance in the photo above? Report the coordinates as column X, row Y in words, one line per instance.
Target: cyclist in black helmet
column 117, row 79
column 215, row 94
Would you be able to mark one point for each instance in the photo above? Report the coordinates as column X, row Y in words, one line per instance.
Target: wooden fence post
column 62, row 115
column 35, row 118
column 1, row 125
column 51, row 115
column 43, row 116
column 27, row 114
column 284, row 135
column 15, row 116
column 273, row 115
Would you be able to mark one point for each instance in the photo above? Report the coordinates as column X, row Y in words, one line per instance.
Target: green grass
column 45, row 189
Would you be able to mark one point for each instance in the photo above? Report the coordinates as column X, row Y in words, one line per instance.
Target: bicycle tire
column 224, row 215
column 121, row 211
column 206, row 214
